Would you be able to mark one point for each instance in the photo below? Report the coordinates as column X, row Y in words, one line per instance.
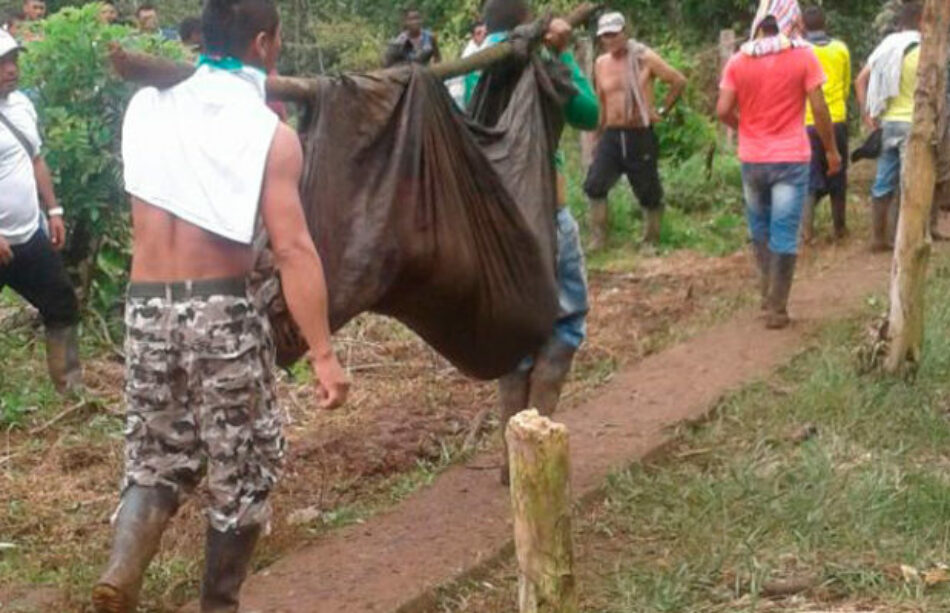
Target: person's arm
column 44, row 185
column 669, row 75
column 727, row 108
column 301, row 271
column 6, row 252
column 861, row 92
column 825, row 129
column 583, row 110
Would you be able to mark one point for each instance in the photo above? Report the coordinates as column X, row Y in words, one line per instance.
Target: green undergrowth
column 817, row 476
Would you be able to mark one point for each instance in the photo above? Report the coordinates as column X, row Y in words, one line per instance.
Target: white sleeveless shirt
column 198, row 150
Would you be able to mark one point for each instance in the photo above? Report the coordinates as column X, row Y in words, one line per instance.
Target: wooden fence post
column 912, row 252
column 541, row 502
column 585, row 52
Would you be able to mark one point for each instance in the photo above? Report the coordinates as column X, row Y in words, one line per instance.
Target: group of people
column 199, row 355
column 146, row 20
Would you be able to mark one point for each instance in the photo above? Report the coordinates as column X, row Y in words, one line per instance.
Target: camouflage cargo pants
column 201, row 402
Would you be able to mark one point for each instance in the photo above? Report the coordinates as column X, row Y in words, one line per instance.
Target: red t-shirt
column 772, row 92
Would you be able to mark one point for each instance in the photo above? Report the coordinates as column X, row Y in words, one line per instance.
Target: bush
column 80, row 103
column 708, row 180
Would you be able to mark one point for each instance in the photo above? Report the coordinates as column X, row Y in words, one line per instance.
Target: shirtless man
column 204, row 162
column 625, row 76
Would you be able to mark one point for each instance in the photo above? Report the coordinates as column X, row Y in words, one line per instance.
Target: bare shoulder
column 285, row 149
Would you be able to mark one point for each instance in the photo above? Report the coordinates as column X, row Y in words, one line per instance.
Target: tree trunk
column 585, row 53
column 541, row 502
column 912, row 252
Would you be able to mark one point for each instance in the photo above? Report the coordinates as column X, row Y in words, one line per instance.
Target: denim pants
column 573, row 306
column 775, row 195
column 893, row 149
column 571, row 326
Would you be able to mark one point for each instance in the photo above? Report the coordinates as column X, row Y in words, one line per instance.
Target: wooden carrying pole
column 541, row 502
column 159, row 72
column 912, row 252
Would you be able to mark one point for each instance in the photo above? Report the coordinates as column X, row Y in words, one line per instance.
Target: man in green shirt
column 538, row 381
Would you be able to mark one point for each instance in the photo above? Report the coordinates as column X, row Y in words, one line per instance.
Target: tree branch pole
column 541, row 504
column 159, row 72
column 919, row 177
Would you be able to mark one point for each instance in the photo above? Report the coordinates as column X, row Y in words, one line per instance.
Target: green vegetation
column 81, row 102
column 818, row 476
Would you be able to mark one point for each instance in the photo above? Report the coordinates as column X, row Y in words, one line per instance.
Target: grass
column 858, row 512
column 704, row 208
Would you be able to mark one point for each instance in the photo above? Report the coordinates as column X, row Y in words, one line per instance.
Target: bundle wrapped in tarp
column 440, row 220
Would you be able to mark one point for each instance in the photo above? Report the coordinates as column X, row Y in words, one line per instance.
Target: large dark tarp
column 442, row 222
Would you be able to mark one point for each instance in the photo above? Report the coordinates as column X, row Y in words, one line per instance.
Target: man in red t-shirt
column 763, row 94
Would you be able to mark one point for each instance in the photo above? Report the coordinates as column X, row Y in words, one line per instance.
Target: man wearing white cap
column 625, row 76
column 29, row 262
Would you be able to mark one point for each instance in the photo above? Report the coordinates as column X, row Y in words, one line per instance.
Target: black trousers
column 633, row 152
column 38, row 275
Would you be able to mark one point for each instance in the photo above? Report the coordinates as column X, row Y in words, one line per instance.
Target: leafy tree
column 80, row 103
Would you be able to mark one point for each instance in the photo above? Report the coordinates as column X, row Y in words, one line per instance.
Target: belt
column 183, row 290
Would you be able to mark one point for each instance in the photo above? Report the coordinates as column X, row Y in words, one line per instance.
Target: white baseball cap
column 611, row 23
column 8, row 43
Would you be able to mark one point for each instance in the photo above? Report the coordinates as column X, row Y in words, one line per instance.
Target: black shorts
column 820, row 184
column 633, row 152
column 38, row 275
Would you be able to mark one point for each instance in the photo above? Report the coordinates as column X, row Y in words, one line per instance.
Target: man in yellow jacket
column 835, row 59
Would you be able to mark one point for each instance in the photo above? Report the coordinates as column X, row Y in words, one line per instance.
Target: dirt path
column 462, row 520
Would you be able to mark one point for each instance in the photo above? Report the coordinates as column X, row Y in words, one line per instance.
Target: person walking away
column 205, row 162
column 625, row 76
column 763, row 93
column 29, row 260
column 414, row 44
column 835, row 60
column 539, row 380
column 885, row 89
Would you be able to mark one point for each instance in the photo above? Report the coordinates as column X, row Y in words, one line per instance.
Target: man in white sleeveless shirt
column 29, row 262
column 204, row 162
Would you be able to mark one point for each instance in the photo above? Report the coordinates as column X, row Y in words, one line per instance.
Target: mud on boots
column 190, row 311
column 141, row 520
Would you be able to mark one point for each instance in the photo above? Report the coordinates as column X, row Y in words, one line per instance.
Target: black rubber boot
column 139, row 525
column 782, row 273
column 599, row 219
column 551, row 368
column 880, row 212
column 760, row 250
column 935, row 234
column 227, row 561
column 62, row 359
column 652, row 226
column 839, row 216
column 512, row 399
column 808, row 219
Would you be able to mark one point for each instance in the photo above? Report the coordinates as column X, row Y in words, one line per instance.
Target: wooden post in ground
column 912, row 252
column 586, row 54
column 541, row 502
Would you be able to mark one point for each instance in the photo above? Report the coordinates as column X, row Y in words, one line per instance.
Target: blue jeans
column 893, row 148
column 775, row 195
column 571, row 326
column 573, row 306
